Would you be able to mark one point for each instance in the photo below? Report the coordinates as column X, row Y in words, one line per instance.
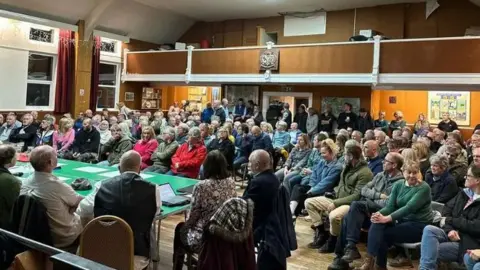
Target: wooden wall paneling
column 416, row 25
column 388, row 19
column 233, row 36
column 354, row 58
column 446, row 56
column 226, row 62
column 455, row 16
column 396, row 21
column 138, row 45
column 157, row 63
column 218, row 35
column 136, row 88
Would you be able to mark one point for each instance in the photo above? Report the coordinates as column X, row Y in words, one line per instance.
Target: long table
column 70, row 170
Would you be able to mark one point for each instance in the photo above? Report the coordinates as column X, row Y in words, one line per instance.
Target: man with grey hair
column 224, row 105
column 354, row 177
column 134, row 200
column 182, row 131
column 357, row 136
column 189, row 156
column 458, row 170
column 162, row 157
column 116, row 146
column 219, row 111
column 442, row 184
column 59, row 199
column 380, row 137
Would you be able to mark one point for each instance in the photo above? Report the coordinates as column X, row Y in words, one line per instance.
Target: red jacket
column 146, row 149
column 189, row 161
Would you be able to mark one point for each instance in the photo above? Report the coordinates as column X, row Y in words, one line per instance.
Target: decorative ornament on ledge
column 269, row 58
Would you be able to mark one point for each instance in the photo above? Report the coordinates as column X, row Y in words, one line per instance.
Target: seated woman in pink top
column 146, row 146
column 64, row 136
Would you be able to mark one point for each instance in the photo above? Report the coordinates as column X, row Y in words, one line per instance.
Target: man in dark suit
column 263, row 188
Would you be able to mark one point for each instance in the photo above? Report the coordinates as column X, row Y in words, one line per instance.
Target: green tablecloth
column 68, row 170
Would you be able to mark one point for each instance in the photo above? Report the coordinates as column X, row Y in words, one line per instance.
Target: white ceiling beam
column 37, row 20
column 95, row 15
column 104, row 34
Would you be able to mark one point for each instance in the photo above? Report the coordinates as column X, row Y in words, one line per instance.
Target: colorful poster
column 457, row 104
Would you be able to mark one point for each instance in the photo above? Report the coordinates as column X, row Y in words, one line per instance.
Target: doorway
column 294, row 99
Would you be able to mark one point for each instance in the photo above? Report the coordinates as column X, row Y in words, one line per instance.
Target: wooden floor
column 302, row 258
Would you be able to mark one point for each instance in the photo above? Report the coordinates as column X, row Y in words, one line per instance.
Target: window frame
column 52, row 83
column 116, row 86
column 55, row 35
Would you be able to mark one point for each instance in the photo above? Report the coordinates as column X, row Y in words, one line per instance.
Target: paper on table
column 91, row 169
column 62, row 178
column 16, row 169
column 115, row 173
column 61, row 164
column 110, row 174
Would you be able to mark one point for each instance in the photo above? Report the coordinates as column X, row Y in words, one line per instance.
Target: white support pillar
column 188, row 71
column 376, row 59
column 125, row 59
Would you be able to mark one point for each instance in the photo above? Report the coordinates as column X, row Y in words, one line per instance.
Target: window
column 41, row 35
column 108, row 85
column 40, row 80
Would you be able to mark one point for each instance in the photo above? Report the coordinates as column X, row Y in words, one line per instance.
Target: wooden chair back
column 108, row 240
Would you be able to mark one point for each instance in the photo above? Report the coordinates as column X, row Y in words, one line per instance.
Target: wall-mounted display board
column 247, row 92
column 457, row 104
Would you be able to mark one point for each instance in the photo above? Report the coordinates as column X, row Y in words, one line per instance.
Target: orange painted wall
column 411, row 103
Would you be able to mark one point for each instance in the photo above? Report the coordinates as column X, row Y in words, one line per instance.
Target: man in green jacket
column 116, row 146
column 162, row 157
column 354, row 177
column 9, row 184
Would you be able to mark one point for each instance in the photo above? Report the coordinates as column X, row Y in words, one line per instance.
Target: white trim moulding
column 37, row 20
column 430, row 79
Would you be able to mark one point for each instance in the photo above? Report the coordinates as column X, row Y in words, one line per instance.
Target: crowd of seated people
column 370, row 174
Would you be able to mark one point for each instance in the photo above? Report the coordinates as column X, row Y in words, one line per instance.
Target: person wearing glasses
column 459, row 230
column 374, row 197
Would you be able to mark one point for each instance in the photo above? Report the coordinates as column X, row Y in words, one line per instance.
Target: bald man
column 133, row 199
column 263, row 187
column 261, row 140
column 375, row 162
column 59, row 199
column 262, row 190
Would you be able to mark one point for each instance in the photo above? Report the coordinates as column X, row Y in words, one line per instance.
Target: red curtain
column 95, row 73
column 65, row 72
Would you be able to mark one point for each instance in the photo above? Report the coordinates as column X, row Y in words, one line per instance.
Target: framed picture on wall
column 336, row 103
column 456, row 103
column 129, row 96
column 247, row 92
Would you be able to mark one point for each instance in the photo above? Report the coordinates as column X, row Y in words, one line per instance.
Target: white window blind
column 13, row 78
column 314, row 25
